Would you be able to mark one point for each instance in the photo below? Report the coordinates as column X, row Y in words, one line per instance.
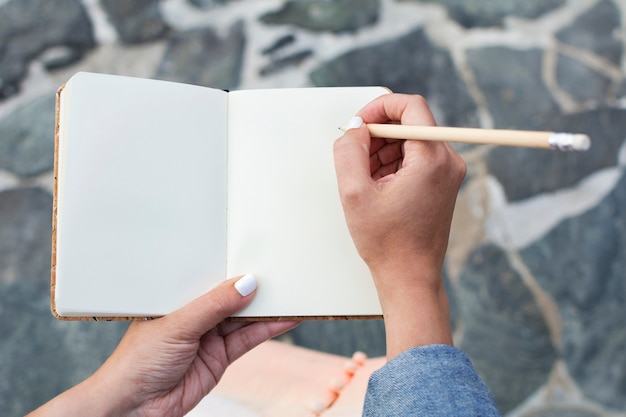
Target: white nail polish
column 246, row 285
column 316, row 406
column 354, row 122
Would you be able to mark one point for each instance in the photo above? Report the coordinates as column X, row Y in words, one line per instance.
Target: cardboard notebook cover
column 162, row 190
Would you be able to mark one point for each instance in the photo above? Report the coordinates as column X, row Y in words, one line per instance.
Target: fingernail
column 246, row 285
column 354, row 122
column 317, row 406
column 359, row 358
column 337, row 384
column 349, row 368
column 323, row 402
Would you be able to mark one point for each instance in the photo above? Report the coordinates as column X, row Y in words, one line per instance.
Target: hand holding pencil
column 398, row 198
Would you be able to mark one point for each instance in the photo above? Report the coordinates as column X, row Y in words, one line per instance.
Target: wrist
column 411, row 275
column 90, row 397
column 415, row 306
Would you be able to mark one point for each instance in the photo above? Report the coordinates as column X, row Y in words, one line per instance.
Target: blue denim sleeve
column 435, row 380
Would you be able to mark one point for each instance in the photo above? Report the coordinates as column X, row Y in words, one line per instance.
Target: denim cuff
column 433, row 380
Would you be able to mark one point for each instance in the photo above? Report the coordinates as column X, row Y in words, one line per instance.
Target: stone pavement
column 536, row 269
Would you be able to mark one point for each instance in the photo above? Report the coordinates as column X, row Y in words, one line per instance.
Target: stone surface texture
column 30, row 27
column 202, row 57
column 320, row 16
column 536, row 267
column 27, row 147
column 493, row 300
column 472, row 13
column 136, row 21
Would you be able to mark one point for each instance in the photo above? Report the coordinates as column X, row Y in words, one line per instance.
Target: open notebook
column 165, row 189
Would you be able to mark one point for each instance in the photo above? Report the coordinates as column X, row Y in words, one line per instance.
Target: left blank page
column 141, row 195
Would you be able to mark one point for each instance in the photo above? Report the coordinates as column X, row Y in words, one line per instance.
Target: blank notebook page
column 285, row 221
column 141, row 198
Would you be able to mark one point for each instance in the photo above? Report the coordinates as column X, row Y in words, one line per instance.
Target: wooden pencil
column 501, row 137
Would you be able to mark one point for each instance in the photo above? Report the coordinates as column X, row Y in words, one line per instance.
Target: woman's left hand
column 164, row 367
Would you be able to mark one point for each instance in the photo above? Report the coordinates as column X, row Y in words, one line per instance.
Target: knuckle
column 222, row 304
column 420, row 100
column 339, row 143
column 460, row 168
column 352, row 194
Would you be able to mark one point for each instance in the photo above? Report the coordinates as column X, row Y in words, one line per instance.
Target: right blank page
column 285, row 222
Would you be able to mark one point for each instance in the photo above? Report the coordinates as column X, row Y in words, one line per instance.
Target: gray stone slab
column 595, row 31
column 277, row 45
column 410, row 64
column 580, row 81
column 582, row 264
column 342, row 337
column 503, row 330
column 512, row 82
column 525, row 172
column 136, row 21
column 325, row 16
column 477, row 13
column 209, row 4
column 27, row 138
column 30, row 27
column 41, row 356
column 288, row 61
column 25, row 237
column 561, row 412
column 202, row 57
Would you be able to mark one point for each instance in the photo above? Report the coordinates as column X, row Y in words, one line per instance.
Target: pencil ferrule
column 561, row 141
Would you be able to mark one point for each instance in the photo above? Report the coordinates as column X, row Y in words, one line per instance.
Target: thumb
column 352, row 158
column 207, row 311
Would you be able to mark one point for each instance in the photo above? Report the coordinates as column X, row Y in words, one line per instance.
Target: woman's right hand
column 398, row 197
